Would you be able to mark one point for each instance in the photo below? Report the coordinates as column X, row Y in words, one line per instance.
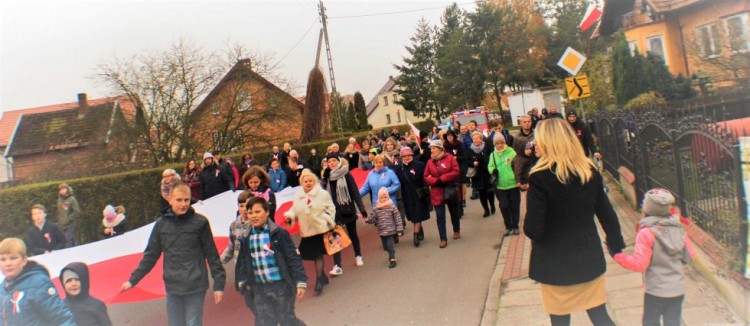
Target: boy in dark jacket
column 86, row 309
column 214, row 180
column 68, row 212
column 269, row 270
column 187, row 242
column 44, row 236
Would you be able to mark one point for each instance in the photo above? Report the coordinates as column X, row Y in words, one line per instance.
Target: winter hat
column 229, row 160
column 207, row 155
column 109, row 213
column 437, row 143
column 422, row 134
column 68, row 274
column 333, row 156
column 406, row 151
column 374, row 151
column 658, row 202
column 572, row 113
column 450, row 132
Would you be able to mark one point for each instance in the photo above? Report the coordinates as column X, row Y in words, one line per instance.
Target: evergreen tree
column 351, row 118
column 360, row 110
column 416, row 84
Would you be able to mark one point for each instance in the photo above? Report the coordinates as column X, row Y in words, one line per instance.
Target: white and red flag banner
column 591, row 16
column 112, row 260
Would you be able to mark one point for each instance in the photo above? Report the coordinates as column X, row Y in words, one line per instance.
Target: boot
column 421, row 234
column 416, row 239
column 443, row 244
column 486, row 214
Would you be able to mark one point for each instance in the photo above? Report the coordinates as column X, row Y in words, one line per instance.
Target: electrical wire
column 395, row 12
column 298, row 42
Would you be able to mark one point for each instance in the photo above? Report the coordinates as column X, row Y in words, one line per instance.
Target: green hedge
column 137, row 190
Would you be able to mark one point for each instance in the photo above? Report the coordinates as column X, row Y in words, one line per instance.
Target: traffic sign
column 577, row 87
column 571, row 61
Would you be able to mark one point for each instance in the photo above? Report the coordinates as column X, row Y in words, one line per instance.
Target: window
column 633, row 45
column 398, row 116
column 395, row 98
column 738, row 34
column 244, row 102
column 385, row 99
column 656, row 47
column 215, row 108
column 708, row 40
column 216, row 138
column 238, row 134
column 388, row 118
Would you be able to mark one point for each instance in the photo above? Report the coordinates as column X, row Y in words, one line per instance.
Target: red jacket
column 445, row 170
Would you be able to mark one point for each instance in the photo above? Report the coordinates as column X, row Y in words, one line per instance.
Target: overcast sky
column 49, row 49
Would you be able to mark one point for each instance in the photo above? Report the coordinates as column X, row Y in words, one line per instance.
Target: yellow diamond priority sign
column 577, row 87
column 571, row 61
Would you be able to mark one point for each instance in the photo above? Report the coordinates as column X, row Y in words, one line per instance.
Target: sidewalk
column 514, row 299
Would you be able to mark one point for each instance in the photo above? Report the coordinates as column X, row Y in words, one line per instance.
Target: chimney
column 83, row 104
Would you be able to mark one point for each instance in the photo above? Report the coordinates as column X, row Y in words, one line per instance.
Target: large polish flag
column 112, row 260
column 590, row 17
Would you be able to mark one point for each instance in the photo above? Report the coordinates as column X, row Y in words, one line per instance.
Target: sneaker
column 336, row 271
column 359, row 260
column 392, row 263
column 516, row 232
column 507, row 232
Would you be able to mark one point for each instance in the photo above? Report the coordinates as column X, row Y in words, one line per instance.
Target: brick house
column 71, row 142
column 245, row 111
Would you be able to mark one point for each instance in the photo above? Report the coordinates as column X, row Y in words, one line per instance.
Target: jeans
column 70, row 234
column 455, row 219
column 351, row 229
column 388, row 245
column 185, row 310
column 655, row 308
column 510, row 206
column 274, row 304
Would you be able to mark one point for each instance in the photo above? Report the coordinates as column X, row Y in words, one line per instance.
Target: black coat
column 214, row 180
column 285, row 253
column 566, row 248
column 583, row 132
column 411, row 177
column 87, row 310
column 49, row 238
column 481, row 179
column 187, row 243
column 344, row 213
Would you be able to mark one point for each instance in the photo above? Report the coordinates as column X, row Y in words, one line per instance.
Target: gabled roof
column 62, row 129
column 373, row 104
column 242, row 69
column 663, row 6
column 9, row 119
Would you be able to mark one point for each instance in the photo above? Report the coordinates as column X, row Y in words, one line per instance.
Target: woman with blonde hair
column 313, row 208
column 565, row 192
column 391, row 150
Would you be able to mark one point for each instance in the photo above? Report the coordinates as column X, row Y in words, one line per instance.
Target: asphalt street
column 430, row 286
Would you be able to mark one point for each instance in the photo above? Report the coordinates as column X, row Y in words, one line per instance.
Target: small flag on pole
column 592, row 15
column 413, row 129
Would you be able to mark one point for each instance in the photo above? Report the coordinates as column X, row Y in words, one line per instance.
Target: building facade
column 383, row 110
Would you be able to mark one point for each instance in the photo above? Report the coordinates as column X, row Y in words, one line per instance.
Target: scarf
column 384, row 204
column 342, row 191
column 389, row 155
column 438, row 157
column 477, row 149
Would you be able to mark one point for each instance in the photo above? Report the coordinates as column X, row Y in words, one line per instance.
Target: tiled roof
column 62, row 129
column 9, row 119
column 386, row 88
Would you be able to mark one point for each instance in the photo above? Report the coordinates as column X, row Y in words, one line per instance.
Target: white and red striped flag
column 592, row 15
column 414, row 129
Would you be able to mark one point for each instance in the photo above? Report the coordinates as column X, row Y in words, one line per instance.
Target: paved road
column 430, row 286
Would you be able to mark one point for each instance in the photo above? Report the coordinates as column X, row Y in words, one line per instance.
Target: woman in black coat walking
column 345, row 194
column 478, row 158
column 565, row 192
column 416, row 197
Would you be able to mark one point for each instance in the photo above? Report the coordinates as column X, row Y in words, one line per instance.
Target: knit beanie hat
column 658, row 202
column 207, row 155
column 437, row 143
column 68, row 274
column 333, row 156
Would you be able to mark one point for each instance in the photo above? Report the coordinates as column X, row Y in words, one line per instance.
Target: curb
column 492, row 303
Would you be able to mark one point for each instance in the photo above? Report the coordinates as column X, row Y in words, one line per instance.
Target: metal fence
column 690, row 148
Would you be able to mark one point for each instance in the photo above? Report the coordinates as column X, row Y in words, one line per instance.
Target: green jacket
column 68, row 210
column 502, row 162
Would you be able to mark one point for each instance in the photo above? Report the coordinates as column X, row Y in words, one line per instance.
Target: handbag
column 336, row 240
column 450, row 192
column 493, row 177
column 471, row 172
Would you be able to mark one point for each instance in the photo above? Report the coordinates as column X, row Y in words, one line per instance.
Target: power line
column 298, row 42
column 395, row 12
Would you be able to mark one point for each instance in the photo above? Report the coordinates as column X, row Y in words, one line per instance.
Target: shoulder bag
column 336, row 240
column 493, row 177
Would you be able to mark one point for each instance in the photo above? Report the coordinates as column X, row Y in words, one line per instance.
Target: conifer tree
column 360, row 110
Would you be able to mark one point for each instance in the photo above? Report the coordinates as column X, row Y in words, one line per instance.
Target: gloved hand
column 439, row 183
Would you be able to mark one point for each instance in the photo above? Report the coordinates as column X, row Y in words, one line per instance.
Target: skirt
column 310, row 248
column 566, row 299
